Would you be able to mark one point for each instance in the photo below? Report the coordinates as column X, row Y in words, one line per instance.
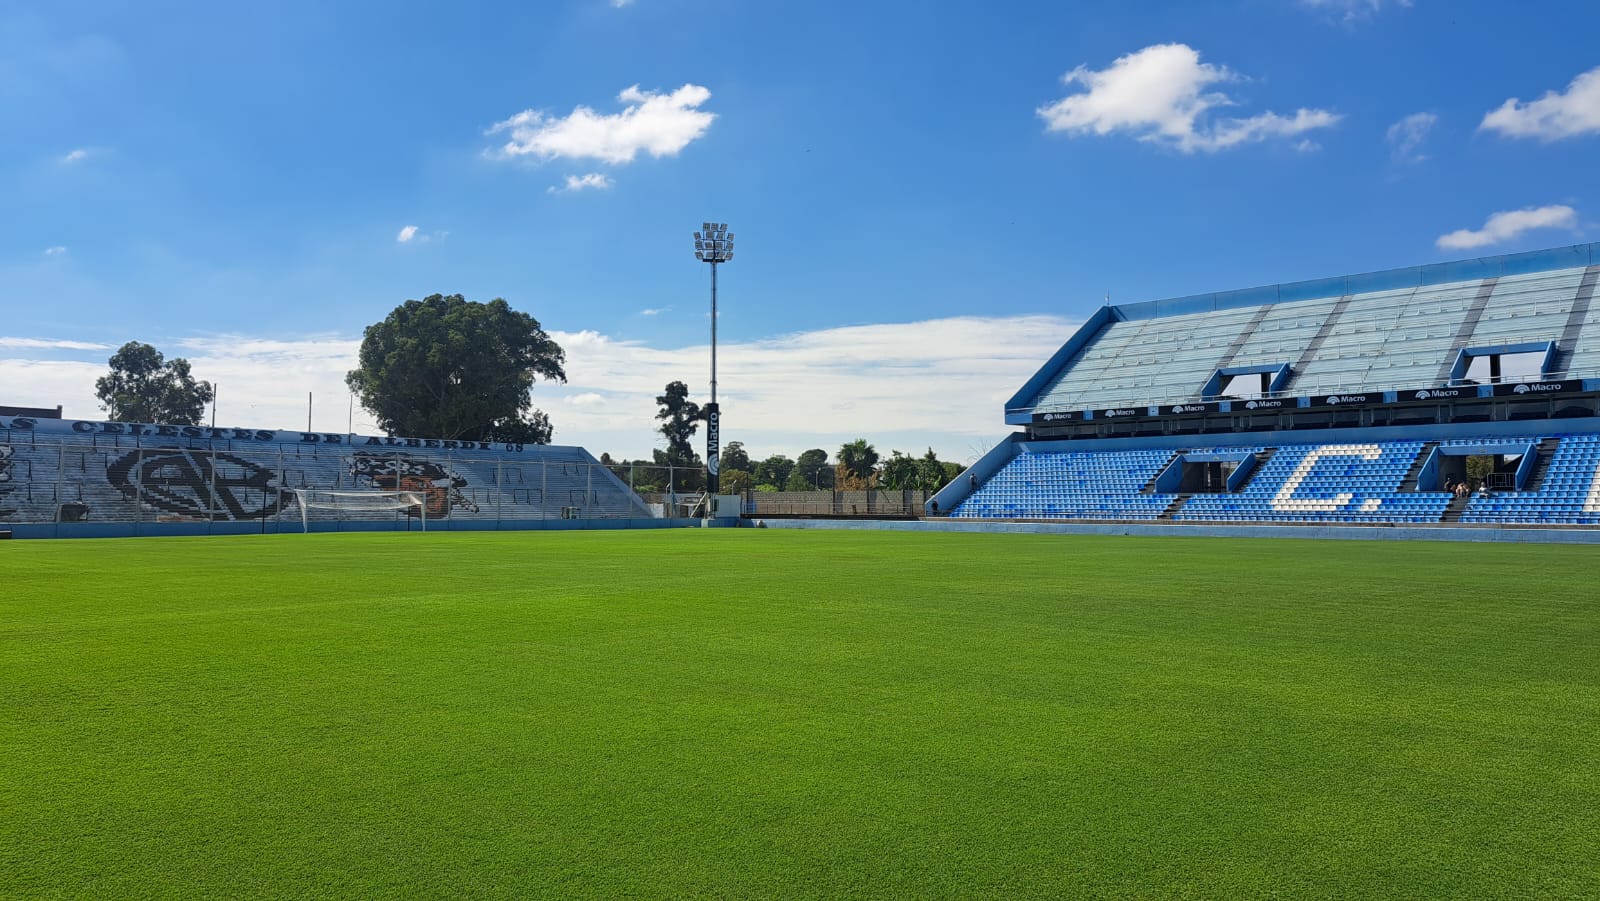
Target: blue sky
column 927, row 196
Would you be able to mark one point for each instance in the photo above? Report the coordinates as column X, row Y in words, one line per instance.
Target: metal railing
column 1312, row 389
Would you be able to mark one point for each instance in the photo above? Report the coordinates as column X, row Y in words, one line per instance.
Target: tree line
column 856, row 466
column 447, row 367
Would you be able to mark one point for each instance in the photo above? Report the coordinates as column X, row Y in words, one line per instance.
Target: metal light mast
column 713, row 244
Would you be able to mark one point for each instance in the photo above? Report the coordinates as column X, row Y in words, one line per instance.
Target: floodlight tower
column 713, row 244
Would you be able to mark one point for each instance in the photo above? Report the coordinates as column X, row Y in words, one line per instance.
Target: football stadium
column 1458, row 398
column 338, row 664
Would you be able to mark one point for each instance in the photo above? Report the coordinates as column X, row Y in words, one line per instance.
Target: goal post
column 349, row 504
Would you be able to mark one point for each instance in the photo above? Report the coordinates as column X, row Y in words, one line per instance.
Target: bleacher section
column 1326, row 483
column 50, row 474
column 1360, row 399
column 1309, row 483
column 1569, row 493
column 1071, row 486
column 1391, row 339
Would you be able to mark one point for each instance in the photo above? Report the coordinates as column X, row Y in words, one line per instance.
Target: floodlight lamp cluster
column 713, row 243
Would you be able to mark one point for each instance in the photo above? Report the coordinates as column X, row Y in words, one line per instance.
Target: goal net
column 346, row 505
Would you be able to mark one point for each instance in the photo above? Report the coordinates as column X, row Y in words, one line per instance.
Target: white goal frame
column 368, row 501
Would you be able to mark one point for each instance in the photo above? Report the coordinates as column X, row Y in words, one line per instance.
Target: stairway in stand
column 1174, row 507
column 1262, row 456
column 1150, row 486
column 1409, row 483
column 1541, row 463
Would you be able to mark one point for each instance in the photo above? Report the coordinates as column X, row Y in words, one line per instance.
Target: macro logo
column 1112, row 413
column 197, row 483
column 1424, row 395
column 1251, row 405
column 1193, row 408
column 1520, row 389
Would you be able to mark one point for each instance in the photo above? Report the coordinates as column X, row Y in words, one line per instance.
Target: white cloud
column 657, row 124
column 1351, row 10
column 1508, row 224
column 262, row 382
column 51, row 344
column 654, row 311
column 46, row 383
column 55, row 251
column 77, row 155
column 1553, row 116
column 1407, row 136
column 618, row 4
column 410, row 235
column 593, row 180
column 938, row 383
column 1159, row 94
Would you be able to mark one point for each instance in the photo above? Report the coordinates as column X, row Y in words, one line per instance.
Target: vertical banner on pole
column 713, row 440
column 713, row 245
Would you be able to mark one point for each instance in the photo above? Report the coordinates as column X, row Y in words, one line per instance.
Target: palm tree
column 858, row 460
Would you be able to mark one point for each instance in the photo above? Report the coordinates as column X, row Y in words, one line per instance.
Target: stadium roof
column 1417, row 327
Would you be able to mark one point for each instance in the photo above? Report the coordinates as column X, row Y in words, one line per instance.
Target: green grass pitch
column 747, row 713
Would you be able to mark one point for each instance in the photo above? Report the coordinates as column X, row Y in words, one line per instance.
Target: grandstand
column 1352, row 400
column 82, row 478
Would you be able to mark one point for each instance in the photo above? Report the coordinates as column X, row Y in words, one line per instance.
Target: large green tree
column 734, row 456
column 774, row 470
column 811, row 470
column 899, row 472
column 735, row 481
column 680, row 419
column 144, row 386
column 925, row 473
column 935, row 473
column 448, row 367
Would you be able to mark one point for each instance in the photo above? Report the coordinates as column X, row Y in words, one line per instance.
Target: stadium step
column 1541, row 463
column 1150, row 486
column 1456, row 507
column 1262, row 456
column 1562, row 360
column 1317, row 340
column 1174, row 507
column 1469, row 324
column 1409, row 483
